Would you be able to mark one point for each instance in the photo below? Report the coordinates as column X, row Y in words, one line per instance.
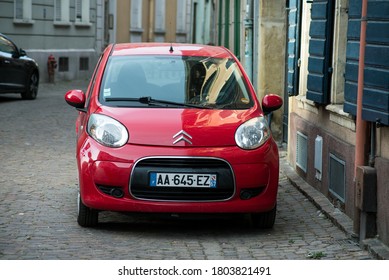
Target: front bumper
column 107, row 180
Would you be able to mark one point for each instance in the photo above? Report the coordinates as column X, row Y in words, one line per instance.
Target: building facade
column 335, row 118
column 70, row 30
column 149, row 21
column 338, row 64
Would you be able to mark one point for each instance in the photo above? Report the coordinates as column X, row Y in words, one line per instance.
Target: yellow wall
column 271, row 49
column 123, row 21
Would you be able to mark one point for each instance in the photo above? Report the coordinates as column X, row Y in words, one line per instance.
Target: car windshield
column 172, row 81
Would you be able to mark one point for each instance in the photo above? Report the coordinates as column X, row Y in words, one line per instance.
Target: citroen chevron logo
column 182, row 136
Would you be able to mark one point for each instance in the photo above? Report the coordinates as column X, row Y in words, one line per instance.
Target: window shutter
column 293, row 47
column 375, row 106
column 352, row 57
column 320, row 51
column 375, row 103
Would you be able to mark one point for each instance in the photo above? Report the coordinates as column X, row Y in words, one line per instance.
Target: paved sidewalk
column 340, row 219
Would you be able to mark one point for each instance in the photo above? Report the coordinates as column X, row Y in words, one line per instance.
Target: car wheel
column 263, row 220
column 86, row 217
column 32, row 89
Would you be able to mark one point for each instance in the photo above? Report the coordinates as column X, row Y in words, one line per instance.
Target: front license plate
column 158, row 179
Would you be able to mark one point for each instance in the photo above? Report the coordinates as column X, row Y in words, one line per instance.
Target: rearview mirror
column 270, row 103
column 75, row 98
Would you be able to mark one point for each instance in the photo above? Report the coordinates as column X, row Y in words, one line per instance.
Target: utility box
column 366, row 189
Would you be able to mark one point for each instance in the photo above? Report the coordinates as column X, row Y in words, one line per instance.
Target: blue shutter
column 320, row 51
column 293, row 47
column 375, row 103
column 352, row 57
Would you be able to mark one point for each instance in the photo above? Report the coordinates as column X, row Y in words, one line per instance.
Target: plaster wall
column 271, row 51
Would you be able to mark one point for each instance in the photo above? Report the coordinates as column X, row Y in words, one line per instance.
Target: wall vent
column 337, row 177
column 318, row 157
column 301, row 151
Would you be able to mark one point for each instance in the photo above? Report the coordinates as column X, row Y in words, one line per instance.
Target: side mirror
column 22, row 52
column 19, row 53
column 75, row 98
column 270, row 103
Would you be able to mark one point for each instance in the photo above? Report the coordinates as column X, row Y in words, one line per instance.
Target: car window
column 6, row 46
column 92, row 85
column 203, row 81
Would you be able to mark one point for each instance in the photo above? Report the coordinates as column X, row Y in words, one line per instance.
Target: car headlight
column 252, row 134
column 107, row 131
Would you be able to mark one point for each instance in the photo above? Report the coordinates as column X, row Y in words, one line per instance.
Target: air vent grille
column 337, row 177
column 301, row 151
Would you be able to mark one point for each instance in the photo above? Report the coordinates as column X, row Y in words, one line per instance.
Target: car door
column 12, row 72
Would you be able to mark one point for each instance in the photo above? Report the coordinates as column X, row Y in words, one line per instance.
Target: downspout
column 361, row 125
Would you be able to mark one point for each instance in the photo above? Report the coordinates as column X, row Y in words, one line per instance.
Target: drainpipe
column 248, row 25
column 361, row 125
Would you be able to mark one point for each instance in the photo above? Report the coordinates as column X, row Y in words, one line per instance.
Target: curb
column 374, row 246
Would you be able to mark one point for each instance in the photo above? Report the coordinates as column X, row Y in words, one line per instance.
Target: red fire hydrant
column 51, row 65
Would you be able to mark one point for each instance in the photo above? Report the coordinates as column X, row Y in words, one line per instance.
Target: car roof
column 170, row 49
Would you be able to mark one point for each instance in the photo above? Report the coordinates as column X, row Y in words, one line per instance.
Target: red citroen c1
column 174, row 128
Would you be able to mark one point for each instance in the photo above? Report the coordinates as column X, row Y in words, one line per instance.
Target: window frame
column 82, row 13
column 64, row 17
column 26, row 12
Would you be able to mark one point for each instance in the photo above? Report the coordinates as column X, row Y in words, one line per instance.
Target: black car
column 18, row 72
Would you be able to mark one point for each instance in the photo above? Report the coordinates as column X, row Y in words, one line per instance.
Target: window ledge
column 306, row 104
column 82, row 24
column 24, row 21
column 338, row 116
column 136, row 30
column 62, row 23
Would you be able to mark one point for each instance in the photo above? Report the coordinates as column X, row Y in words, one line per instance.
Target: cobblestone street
column 38, row 189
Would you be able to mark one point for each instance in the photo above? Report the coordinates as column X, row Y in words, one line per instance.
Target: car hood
column 180, row 127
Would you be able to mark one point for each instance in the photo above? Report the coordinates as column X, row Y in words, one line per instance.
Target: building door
column 293, row 59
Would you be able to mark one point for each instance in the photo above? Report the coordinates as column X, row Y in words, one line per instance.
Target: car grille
column 140, row 188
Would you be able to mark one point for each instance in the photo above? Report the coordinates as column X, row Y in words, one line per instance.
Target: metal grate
column 301, row 151
column 337, row 177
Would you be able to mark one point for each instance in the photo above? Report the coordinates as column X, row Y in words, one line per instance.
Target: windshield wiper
column 151, row 101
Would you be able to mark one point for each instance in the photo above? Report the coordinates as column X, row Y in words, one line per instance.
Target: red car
column 174, row 129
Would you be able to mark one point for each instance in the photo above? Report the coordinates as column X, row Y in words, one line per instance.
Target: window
column 136, row 29
column 63, row 64
column 82, row 11
column 293, row 47
column 375, row 103
column 320, row 51
column 327, row 58
column 181, row 17
column 84, row 64
column 6, row 46
column 136, row 14
column 195, row 81
column 61, row 11
column 160, row 26
column 22, row 11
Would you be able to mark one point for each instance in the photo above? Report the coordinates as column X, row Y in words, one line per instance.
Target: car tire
column 263, row 220
column 32, row 89
column 87, row 217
